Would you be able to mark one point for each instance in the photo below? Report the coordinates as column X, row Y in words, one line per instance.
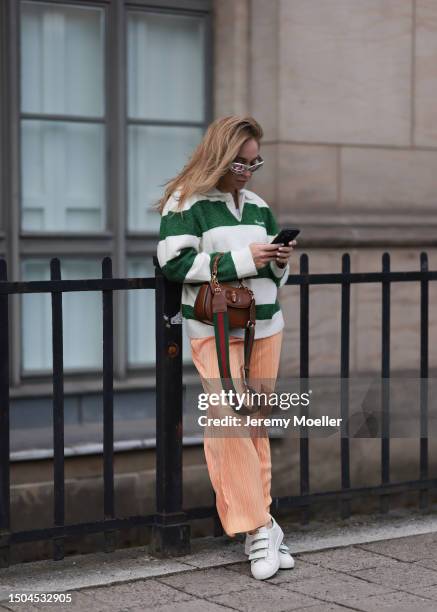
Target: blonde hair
column 211, row 158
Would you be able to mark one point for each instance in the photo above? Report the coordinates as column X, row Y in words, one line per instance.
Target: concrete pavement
column 364, row 563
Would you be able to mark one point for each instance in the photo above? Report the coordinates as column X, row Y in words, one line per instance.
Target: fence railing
column 170, row 524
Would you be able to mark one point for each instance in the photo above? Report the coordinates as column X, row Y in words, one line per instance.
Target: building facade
column 344, row 91
column 102, row 101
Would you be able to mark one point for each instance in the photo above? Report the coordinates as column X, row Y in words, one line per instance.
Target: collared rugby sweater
column 211, row 223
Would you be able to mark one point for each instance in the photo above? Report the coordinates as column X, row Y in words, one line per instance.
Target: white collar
column 224, row 194
column 229, row 200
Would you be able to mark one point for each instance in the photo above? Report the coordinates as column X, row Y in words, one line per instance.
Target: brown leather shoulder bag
column 240, row 301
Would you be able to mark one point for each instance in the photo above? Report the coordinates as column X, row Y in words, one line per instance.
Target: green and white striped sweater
column 211, row 223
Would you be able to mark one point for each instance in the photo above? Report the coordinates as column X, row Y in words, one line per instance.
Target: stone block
column 263, row 65
column 425, row 124
column 231, row 23
column 307, row 176
column 345, row 71
column 382, row 179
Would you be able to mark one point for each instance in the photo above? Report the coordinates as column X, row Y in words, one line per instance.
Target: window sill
column 56, row 235
column 135, row 382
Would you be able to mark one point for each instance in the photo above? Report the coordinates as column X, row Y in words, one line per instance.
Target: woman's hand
column 284, row 253
column 263, row 252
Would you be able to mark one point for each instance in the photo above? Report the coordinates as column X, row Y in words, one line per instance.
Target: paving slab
column 151, row 592
column 269, row 597
column 194, row 605
column 397, row 574
column 429, row 592
column 339, row 588
column 346, row 559
column 211, row 581
column 425, row 547
column 428, row 563
column 396, row 601
column 328, row 607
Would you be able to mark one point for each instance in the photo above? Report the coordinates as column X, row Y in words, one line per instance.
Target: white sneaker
column 264, row 551
column 286, row 561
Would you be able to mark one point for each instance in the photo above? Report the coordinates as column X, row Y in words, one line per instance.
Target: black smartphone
column 286, row 235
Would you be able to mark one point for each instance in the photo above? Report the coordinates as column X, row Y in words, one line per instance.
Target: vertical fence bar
column 171, row 531
column 218, row 527
column 424, row 352
column 385, row 387
column 108, row 405
column 58, row 410
column 4, row 424
column 344, row 384
column 304, row 372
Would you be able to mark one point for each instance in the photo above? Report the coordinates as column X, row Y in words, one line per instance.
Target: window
column 62, row 78
column 166, row 105
column 82, row 319
column 107, row 100
column 141, row 320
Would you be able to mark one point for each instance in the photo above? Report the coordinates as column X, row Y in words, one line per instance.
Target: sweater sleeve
column 180, row 257
column 276, row 273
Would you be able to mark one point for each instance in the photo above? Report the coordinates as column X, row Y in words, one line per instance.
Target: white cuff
column 243, row 262
column 277, row 270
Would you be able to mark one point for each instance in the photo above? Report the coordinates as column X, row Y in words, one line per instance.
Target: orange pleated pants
column 239, row 466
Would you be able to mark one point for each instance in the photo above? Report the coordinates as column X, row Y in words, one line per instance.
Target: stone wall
column 134, row 482
column 345, row 92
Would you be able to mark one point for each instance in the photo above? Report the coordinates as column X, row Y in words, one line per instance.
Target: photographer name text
column 297, row 421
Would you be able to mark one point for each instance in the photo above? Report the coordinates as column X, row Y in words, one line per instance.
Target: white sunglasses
column 239, row 168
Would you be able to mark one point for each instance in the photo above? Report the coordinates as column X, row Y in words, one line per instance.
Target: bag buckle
column 215, row 283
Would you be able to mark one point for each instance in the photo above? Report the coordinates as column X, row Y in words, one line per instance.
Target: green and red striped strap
column 221, row 329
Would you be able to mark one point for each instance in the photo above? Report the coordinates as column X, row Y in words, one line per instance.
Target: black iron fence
column 170, row 524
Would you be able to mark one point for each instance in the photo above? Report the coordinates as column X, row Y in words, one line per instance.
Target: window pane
column 141, row 319
column 165, row 67
column 82, row 318
column 156, row 154
column 62, row 176
column 62, row 69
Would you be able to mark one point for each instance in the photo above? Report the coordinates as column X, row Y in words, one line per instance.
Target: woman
column 206, row 209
